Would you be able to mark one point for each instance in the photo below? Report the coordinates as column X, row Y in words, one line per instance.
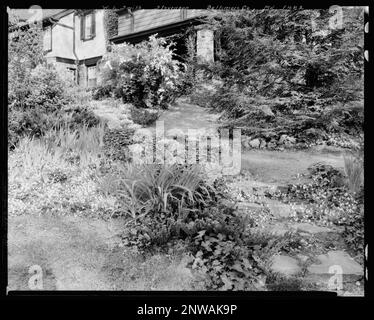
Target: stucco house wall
column 87, row 52
column 70, row 52
column 95, row 47
column 62, row 39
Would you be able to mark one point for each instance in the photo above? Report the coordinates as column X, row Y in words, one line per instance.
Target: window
column 47, row 39
column 91, row 76
column 72, row 74
column 88, row 27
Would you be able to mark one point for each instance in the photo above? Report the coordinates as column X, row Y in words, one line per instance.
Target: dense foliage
column 116, row 143
column 329, row 199
column 41, row 96
column 300, row 69
column 173, row 206
column 144, row 74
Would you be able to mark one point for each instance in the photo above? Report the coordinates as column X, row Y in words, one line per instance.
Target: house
column 77, row 39
column 138, row 25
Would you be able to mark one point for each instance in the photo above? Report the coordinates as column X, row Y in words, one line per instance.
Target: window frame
column 93, row 25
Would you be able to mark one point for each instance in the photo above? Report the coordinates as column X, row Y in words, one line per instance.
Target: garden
column 93, row 218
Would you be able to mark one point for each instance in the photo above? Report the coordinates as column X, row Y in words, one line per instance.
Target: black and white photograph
column 178, row 149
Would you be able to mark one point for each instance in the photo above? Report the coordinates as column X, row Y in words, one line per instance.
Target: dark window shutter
column 93, row 25
column 82, row 27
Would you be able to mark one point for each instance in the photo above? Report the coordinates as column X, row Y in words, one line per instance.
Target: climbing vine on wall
column 110, row 24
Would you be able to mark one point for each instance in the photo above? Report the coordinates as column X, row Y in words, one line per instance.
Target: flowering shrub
column 144, row 74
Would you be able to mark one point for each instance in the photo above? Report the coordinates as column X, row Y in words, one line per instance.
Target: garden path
column 264, row 170
column 79, row 253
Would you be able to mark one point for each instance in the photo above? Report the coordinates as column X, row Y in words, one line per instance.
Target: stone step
column 285, row 265
column 336, row 260
column 309, row 228
column 279, row 209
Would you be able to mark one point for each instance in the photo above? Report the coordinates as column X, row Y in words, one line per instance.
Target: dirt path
column 267, row 166
column 185, row 116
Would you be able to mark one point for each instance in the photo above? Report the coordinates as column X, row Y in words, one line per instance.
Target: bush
column 171, row 204
column 144, row 74
column 33, row 122
column 307, row 79
column 144, row 117
column 354, row 231
column 102, row 91
column 116, row 143
column 81, row 116
column 45, row 91
column 49, row 101
column 25, row 52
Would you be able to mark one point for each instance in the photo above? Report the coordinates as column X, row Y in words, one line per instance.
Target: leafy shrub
column 48, row 102
column 144, row 74
column 306, row 79
column 258, row 55
column 33, row 122
column 220, row 251
column 44, row 91
column 102, row 91
column 144, row 117
column 116, row 143
column 157, row 188
column 354, row 231
column 80, row 116
column 25, row 52
column 28, row 122
column 174, row 204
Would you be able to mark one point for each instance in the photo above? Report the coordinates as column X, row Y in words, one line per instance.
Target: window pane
column 88, row 25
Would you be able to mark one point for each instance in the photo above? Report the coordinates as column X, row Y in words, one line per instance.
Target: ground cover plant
column 173, row 207
column 330, row 199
